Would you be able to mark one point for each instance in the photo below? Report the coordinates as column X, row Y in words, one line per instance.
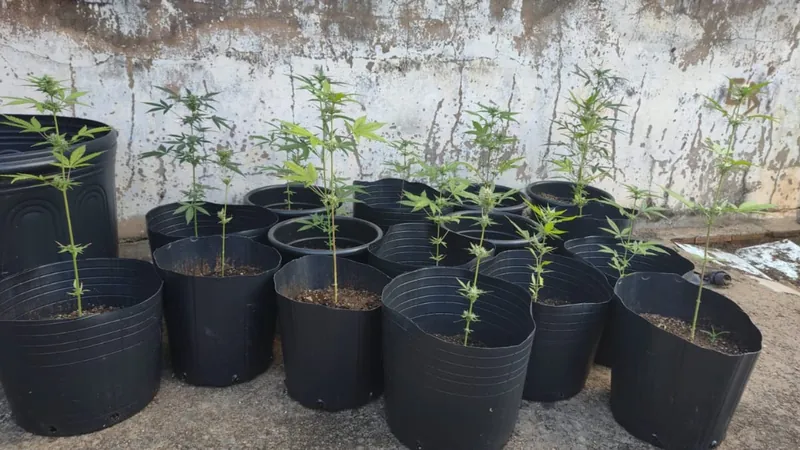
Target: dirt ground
column 260, row 415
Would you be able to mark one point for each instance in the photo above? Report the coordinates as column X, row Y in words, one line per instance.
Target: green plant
column 546, row 219
column 189, row 146
column 588, row 127
column 724, row 164
column 337, row 133
column 229, row 168
column 65, row 158
column 490, row 135
column 296, row 148
column 408, row 157
column 642, row 206
column 713, row 335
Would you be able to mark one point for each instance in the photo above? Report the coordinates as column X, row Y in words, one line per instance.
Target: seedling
column 408, row 157
column 588, row 128
column 190, row 145
column 337, row 133
column 725, row 164
column 66, row 158
column 642, row 207
column 547, row 220
column 490, row 134
column 229, row 169
column 713, row 335
column 296, row 148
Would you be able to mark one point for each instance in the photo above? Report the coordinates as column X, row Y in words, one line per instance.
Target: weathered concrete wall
column 419, row 65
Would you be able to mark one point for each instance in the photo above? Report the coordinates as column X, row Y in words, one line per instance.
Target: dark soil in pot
column 407, row 247
column 301, row 202
column 503, row 235
column 66, row 377
column 513, row 205
column 332, row 355
column 220, row 328
column 588, row 250
column 559, row 194
column 164, row 226
column 442, row 394
column 666, row 390
column 570, row 316
column 380, row 202
column 353, row 238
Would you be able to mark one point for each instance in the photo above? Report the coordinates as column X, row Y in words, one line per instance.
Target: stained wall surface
column 419, row 65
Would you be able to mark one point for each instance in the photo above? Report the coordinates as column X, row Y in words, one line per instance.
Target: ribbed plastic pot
column 380, row 203
column 407, row 247
column 65, row 377
column 588, row 250
column 567, row 335
column 353, row 238
column 547, row 193
column 503, row 235
column 441, row 395
column 164, row 226
column 332, row 356
column 32, row 216
column 513, row 205
column 304, row 201
column 666, row 390
column 220, row 328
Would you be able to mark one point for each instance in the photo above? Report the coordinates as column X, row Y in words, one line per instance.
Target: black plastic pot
column 407, row 247
column 353, row 238
column 64, row 377
column 441, row 395
column 512, row 205
column 164, row 226
column 542, row 193
column 332, row 356
column 502, row 234
column 588, row 250
column 220, row 328
column 304, row 201
column 567, row 335
column 32, row 216
column 380, row 203
column 664, row 389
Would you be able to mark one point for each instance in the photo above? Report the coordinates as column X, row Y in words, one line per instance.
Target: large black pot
column 332, row 356
column 353, row 238
column 65, row 377
column 220, row 328
column 441, row 395
column 666, row 390
column 380, row 202
column 515, row 204
column 164, row 226
column 304, row 201
column 588, row 250
column 559, row 195
column 503, row 235
column 567, row 335
column 407, row 247
column 32, row 216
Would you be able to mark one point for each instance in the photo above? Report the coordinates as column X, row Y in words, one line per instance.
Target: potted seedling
column 194, row 216
column 288, row 200
column 219, row 301
column 570, row 304
column 618, row 253
column 682, row 353
column 329, row 306
column 490, row 133
column 55, row 383
column 585, row 157
column 381, row 202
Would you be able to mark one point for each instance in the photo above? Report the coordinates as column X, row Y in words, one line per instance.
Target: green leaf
column 680, row 198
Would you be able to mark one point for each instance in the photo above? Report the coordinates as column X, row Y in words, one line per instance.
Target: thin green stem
column 474, row 283
column 78, row 289
column 702, row 280
column 224, row 222
column 438, row 240
column 333, row 236
column 194, row 186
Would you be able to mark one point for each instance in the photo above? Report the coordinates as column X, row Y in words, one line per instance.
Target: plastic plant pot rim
column 250, row 194
column 167, row 211
column 326, row 307
column 89, row 320
column 595, row 193
column 679, row 279
column 318, row 252
column 398, row 279
column 197, row 240
column 505, row 242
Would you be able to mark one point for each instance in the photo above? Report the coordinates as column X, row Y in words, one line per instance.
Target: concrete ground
column 260, row 415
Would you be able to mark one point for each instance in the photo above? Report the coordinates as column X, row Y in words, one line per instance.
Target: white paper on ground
column 724, row 258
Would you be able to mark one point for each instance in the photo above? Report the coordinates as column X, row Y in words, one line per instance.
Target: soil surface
column 205, row 270
column 353, row 299
column 554, row 301
column 90, row 311
column 706, row 337
column 555, row 198
column 458, row 339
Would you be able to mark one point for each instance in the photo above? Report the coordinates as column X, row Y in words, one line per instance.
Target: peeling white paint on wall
column 419, row 65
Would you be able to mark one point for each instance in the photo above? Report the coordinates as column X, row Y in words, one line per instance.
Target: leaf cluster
column 489, row 133
column 408, row 156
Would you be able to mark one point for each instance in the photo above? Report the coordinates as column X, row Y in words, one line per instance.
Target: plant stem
column 438, row 240
column 224, row 222
column 474, row 284
column 702, row 275
column 333, row 235
column 194, row 184
column 288, row 193
column 74, row 255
